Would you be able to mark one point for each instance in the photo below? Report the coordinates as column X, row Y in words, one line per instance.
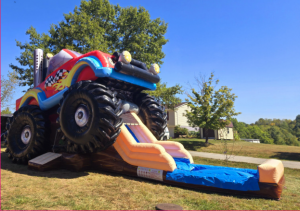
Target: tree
column 262, row 121
column 25, row 72
column 6, row 111
column 296, row 129
column 255, row 132
column 7, row 90
column 289, row 138
column 240, row 127
column 252, row 131
column 284, row 125
column 276, row 135
column 210, row 107
column 268, row 131
column 167, row 96
column 97, row 25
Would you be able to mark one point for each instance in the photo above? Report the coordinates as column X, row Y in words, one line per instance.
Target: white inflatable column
column 38, row 67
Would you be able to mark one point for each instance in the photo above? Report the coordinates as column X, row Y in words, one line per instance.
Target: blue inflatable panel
column 215, row 176
column 100, row 71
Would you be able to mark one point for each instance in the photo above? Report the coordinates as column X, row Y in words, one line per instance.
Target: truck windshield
column 61, row 58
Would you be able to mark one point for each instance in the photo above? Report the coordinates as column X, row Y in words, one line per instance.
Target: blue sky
column 252, row 46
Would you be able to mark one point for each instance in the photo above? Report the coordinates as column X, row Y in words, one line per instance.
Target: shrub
column 236, row 136
column 194, row 134
column 180, row 131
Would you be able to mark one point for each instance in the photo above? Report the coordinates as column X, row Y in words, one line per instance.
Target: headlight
column 49, row 56
column 154, row 69
column 125, row 57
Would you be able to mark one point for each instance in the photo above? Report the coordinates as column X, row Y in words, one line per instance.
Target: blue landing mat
column 214, row 176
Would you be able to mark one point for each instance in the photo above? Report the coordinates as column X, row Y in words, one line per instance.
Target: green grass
column 243, row 148
column 64, row 190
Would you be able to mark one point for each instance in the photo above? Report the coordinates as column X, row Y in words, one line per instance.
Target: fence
column 251, row 140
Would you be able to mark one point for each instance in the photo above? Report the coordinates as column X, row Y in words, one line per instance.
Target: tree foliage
column 210, row 108
column 167, row 95
column 240, row 127
column 7, row 89
column 270, row 131
column 97, row 25
column 296, row 129
column 6, row 111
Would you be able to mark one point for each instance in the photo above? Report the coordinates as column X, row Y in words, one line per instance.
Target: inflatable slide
column 137, row 152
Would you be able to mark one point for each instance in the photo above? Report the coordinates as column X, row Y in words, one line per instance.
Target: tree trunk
column 206, row 136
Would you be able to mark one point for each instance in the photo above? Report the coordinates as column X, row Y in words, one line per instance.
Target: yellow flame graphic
column 68, row 76
column 62, row 83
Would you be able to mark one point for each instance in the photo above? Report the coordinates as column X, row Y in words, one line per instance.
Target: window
column 76, row 53
column 61, row 58
column 58, row 60
column 228, row 130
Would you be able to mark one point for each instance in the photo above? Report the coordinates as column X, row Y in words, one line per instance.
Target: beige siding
column 171, row 122
column 171, row 131
column 201, row 132
column 180, row 118
column 225, row 133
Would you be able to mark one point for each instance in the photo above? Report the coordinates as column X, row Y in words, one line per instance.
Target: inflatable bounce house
column 89, row 111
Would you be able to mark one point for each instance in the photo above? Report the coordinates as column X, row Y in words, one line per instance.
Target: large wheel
column 89, row 117
column 152, row 114
column 26, row 134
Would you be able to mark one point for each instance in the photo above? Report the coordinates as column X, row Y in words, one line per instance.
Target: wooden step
column 45, row 162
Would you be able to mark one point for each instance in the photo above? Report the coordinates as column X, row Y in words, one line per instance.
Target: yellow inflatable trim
column 30, row 94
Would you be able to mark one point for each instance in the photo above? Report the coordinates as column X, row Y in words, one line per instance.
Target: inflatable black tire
column 89, row 117
column 26, row 134
column 152, row 114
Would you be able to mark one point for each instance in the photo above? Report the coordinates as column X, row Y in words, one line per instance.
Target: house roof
column 230, row 125
column 178, row 105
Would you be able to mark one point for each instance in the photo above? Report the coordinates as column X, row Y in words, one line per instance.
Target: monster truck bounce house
column 90, row 110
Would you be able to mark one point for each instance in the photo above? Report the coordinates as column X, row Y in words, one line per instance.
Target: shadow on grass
column 6, row 164
column 294, row 156
column 193, row 145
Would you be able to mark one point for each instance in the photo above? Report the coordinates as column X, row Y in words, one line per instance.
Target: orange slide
column 144, row 135
column 149, row 152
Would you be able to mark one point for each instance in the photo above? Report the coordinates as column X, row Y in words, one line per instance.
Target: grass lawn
column 60, row 189
column 243, row 148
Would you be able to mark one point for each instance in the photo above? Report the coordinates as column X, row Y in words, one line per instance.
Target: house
column 225, row 133
column 177, row 117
